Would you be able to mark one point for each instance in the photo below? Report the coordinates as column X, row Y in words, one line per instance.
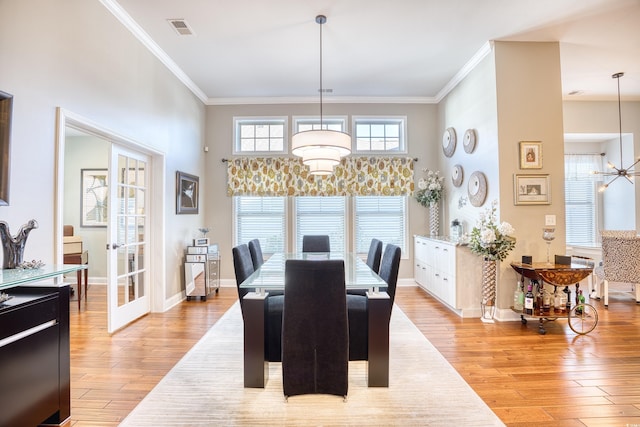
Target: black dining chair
column 358, row 310
column 375, row 255
column 319, row 243
column 373, row 261
column 274, row 304
column 315, row 337
column 243, row 268
column 256, row 253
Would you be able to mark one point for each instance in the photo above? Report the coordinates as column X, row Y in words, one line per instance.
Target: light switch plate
column 549, row 220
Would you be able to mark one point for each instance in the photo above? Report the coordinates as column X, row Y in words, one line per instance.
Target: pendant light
column 321, row 149
column 615, row 172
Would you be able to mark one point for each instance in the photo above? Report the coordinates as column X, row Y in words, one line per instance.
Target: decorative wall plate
column 469, row 141
column 449, row 142
column 477, row 188
column 457, row 175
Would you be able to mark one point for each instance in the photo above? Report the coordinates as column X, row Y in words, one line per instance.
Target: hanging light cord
column 617, row 77
column 321, row 19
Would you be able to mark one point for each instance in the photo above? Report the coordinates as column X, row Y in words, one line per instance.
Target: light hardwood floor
column 528, row 379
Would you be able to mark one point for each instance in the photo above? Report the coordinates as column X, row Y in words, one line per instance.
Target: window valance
column 354, row 176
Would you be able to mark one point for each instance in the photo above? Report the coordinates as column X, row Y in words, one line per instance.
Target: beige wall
column 76, row 55
column 513, row 95
column 422, row 143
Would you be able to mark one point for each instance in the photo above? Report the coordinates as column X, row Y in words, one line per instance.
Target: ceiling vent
column 181, row 27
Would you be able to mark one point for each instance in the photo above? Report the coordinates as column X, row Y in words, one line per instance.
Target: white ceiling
column 246, row 51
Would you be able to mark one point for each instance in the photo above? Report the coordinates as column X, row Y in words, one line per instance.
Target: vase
column 13, row 246
column 434, row 219
column 489, row 279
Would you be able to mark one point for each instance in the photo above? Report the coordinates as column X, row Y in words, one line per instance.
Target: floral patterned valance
column 354, row 176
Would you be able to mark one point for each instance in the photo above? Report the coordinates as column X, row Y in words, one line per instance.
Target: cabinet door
column 444, row 258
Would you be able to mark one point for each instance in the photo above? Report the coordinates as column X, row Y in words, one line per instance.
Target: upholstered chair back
column 389, row 267
column 256, row 253
column 621, row 256
column 243, row 267
column 315, row 337
column 374, row 255
column 316, row 244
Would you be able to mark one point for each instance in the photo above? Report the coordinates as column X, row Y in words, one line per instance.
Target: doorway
column 121, row 243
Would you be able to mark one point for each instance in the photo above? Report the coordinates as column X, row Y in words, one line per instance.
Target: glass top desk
column 17, row 276
column 270, row 276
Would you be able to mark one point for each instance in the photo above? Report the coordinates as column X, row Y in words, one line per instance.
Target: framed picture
column 187, row 189
column 94, row 184
column 531, row 189
column 530, row 155
column 6, row 109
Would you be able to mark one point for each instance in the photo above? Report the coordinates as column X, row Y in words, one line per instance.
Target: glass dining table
column 270, row 277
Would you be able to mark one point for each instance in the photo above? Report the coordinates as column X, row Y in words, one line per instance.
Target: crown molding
column 147, row 41
column 485, row 50
column 325, row 100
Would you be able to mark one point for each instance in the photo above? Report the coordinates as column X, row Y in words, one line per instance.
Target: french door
column 127, row 261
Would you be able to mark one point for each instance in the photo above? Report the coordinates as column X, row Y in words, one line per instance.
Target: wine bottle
column 539, row 304
column 528, row 300
column 518, row 297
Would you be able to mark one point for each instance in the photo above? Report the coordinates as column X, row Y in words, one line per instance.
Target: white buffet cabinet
column 450, row 273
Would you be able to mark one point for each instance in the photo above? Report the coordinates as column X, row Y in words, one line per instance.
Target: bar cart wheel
column 583, row 318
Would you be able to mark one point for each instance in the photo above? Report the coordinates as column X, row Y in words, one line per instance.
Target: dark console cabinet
column 34, row 356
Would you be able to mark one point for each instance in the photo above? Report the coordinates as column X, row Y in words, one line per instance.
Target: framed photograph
column 6, row 109
column 94, row 185
column 531, row 189
column 530, row 155
column 187, row 189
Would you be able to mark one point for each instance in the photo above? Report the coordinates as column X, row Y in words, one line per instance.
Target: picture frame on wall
column 94, row 197
column 530, row 155
column 531, row 189
column 6, row 111
column 187, row 192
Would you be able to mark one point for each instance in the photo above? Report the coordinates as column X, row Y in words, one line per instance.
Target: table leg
column 86, row 283
column 256, row 368
column 79, row 278
column 379, row 317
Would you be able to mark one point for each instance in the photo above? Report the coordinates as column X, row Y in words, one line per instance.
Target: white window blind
column 580, row 199
column 380, row 217
column 261, row 218
column 321, row 215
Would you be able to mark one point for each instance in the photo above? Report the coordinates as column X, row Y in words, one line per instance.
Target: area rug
column 206, row 388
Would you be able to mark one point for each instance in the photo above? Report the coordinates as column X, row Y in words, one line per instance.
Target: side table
column 81, row 259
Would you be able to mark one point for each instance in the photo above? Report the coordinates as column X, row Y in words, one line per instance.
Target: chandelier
column 614, row 171
column 321, row 149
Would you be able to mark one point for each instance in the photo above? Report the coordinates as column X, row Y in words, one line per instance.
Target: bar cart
column 582, row 317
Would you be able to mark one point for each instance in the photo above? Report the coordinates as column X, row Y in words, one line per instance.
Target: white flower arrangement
column 489, row 239
column 430, row 189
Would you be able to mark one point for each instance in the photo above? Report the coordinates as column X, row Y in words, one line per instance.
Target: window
column 260, row 135
column 380, row 135
column 321, row 215
column 301, row 124
column 261, row 218
column 580, row 199
column 380, row 217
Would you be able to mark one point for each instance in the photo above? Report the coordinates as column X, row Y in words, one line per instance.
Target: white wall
column 74, row 54
column 422, row 143
column 471, row 105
